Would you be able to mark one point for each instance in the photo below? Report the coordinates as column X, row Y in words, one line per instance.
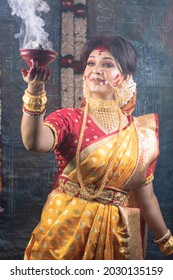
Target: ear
column 127, row 77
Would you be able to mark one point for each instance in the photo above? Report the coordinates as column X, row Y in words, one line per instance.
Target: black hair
column 122, row 50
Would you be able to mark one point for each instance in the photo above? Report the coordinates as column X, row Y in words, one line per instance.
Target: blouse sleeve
column 147, row 127
column 60, row 125
column 152, row 167
column 150, row 173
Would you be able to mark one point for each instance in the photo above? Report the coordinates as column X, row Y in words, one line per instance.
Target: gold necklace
column 105, row 111
column 83, row 189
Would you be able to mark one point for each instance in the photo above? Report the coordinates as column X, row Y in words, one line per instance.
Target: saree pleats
column 80, row 230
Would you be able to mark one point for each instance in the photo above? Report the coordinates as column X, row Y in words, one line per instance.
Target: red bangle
column 34, row 114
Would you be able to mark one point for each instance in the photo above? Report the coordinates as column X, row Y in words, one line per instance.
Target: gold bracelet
column 164, row 238
column 167, row 247
column 41, row 93
column 35, row 109
column 34, row 103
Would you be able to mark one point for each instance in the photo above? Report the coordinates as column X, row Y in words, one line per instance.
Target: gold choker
column 105, row 112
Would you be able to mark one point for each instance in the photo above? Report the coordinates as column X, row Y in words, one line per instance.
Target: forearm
column 153, row 217
column 150, row 210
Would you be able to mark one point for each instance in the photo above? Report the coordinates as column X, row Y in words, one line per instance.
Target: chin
column 97, row 90
column 99, row 95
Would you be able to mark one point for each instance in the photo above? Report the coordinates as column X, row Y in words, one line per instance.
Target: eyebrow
column 92, row 56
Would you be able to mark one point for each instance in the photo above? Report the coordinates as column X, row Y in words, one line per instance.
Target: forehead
column 101, row 53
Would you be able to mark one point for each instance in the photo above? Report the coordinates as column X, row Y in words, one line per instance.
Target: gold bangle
column 164, row 238
column 35, row 109
column 167, row 247
column 42, row 93
column 34, row 103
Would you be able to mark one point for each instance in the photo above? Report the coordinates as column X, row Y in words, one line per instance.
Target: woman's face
column 102, row 74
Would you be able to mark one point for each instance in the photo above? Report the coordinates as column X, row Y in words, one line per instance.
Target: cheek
column 86, row 76
column 87, row 73
column 116, row 79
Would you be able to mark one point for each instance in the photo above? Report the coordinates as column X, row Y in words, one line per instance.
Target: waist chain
column 108, row 196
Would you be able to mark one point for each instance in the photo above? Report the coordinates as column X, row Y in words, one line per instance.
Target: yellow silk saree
column 109, row 227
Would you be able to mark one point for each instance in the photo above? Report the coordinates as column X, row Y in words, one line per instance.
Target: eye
column 108, row 65
column 90, row 63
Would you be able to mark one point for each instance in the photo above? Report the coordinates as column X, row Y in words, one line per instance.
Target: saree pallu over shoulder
column 95, row 158
column 136, row 155
column 148, row 150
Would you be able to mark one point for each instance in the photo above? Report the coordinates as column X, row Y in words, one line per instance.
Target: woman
column 103, row 194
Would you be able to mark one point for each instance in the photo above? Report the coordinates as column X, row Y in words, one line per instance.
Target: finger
column 24, row 72
column 42, row 74
column 34, row 64
column 47, row 75
column 32, row 73
column 38, row 74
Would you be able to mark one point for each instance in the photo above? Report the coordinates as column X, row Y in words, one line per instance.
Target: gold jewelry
column 34, row 114
column 84, row 192
column 163, row 238
column 36, row 83
column 105, row 111
column 41, row 93
column 124, row 92
column 34, row 102
column 167, row 247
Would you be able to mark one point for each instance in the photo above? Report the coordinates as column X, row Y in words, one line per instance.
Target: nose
column 97, row 70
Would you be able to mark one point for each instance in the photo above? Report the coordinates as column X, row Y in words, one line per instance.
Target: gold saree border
column 54, row 133
column 135, row 243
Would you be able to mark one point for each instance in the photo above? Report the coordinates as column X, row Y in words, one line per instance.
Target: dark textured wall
column 27, row 178
column 148, row 25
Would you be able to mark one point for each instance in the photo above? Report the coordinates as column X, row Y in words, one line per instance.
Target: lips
column 98, row 81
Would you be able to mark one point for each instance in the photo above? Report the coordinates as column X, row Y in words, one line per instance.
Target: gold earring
column 124, row 92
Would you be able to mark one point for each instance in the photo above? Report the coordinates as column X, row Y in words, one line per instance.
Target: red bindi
column 102, row 49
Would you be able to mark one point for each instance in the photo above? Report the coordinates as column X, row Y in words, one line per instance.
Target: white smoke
column 32, row 34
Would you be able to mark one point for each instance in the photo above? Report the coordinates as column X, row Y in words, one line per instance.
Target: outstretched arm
column 35, row 135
